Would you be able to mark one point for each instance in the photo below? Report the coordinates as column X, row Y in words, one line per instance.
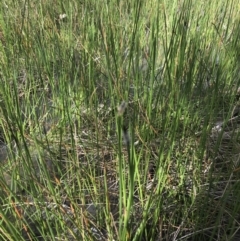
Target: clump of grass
column 67, row 172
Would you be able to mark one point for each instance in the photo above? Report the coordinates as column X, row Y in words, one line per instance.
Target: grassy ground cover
column 119, row 120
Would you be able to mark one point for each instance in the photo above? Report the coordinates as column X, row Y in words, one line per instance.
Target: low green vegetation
column 119, row 120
